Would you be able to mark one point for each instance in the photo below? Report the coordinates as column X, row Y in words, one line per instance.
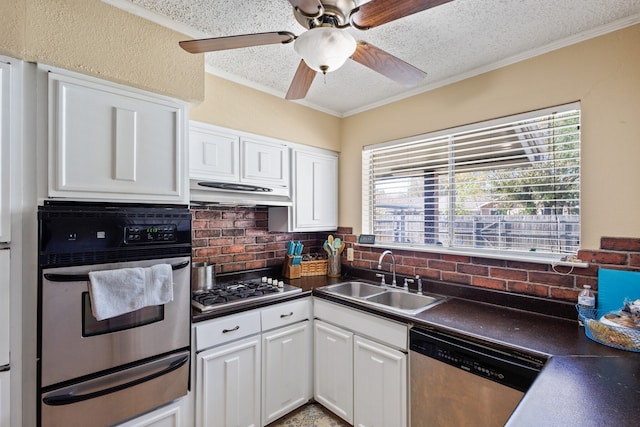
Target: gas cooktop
column 224, row 295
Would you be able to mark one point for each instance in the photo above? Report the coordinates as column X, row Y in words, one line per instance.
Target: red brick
column 198, row 234
column 350, row 239
column 256, row 264
column 233, row 249
column 448, row 276
column 613, row 258
column 634, row 260
column 362, row 264
column 486, row 282
column 221, row 241
column 254, row 248
column 244, row 257
column 255, row 232
column 427, row 273
column 244, row 240
column 406, row 270
column 620, row 244
column 565, row 294
column 220, row 223
column 553, row 279
column 415, row 261
column 472, row 269
column 507, row 273
column 456, row 258
column 442, row 265
column 591, row 281
column 245, row 224
column 345, row 230
column 528, row 288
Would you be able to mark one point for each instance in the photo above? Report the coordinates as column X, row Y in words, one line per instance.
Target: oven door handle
column 115, row 382
column 54, row 277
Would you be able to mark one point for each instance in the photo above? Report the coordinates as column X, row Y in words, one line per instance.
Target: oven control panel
column 140, row 234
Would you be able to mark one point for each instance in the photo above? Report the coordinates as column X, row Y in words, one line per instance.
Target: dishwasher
column 456, row 382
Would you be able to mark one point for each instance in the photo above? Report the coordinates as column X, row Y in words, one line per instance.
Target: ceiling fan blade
column 234, row 42
column 308, row 7
column 301, row 82
column 378, row 12
column 387, row 65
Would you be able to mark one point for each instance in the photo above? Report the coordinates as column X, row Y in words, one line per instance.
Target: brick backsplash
column 541, row 280
column 237, row 239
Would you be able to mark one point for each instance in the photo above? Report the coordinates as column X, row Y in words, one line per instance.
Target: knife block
column 291, row 271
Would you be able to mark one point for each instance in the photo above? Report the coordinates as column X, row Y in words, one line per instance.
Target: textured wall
column 91, row 37
column 234, row 106
column 602, row 73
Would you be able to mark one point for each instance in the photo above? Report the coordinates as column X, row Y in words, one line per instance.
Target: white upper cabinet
column 214, row 154
column 5, row 121
column 111, row 142
column 314, row 178
column 264, row 163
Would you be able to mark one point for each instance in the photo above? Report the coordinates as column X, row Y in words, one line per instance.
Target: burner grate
column 236, row 292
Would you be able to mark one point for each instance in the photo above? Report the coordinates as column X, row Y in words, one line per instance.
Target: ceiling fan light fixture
column 325, row 48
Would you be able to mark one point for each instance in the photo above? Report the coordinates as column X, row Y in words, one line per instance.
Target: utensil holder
column 291, row 271
column 333, row 267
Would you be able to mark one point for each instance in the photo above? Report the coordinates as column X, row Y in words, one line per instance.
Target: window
column 507, row 185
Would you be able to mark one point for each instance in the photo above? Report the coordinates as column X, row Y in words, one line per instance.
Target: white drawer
column 229, row 328
column 286, row 313
column 377, row 328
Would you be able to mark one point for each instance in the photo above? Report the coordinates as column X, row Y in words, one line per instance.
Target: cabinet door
column 167, row 416
column 228, row 385
column 333, row 369
column 380, row 385
column 4, row 307
column 315, row 199
column 214, row 154
column 5, row 122
column 5, row 399
column 115, row 143
column 264, row 163
column 286, row 370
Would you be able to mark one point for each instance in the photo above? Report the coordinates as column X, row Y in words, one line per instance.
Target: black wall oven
column 101, row 372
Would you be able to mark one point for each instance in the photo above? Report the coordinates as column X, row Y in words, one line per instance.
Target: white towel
column 116, row 292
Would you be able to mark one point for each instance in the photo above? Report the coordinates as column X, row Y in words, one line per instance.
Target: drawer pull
column 224, row 331
column 286, row 315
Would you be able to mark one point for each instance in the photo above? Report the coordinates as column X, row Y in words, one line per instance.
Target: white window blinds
column 511, row 184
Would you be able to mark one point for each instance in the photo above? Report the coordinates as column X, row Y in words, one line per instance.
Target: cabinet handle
column 286, row 315
column 224, row 331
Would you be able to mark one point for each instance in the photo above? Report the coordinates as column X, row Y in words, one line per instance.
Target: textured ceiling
column 449, row 42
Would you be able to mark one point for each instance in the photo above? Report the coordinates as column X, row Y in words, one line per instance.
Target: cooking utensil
column 330, row 240
column 327, row 248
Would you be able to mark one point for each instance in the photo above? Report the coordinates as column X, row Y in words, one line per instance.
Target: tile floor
column 310, row 415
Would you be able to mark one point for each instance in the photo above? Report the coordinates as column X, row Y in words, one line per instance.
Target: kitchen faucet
column 393, row 265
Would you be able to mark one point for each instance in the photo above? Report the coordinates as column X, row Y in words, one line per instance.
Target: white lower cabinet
column 333, row 369
column 380, row 384
column 228, row 390
column 5, row 401
column 171, row 415
column 253, row 367
column 286, row 370
column 363, row 380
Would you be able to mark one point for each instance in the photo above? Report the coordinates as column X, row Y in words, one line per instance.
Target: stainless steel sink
column 404, row 301
column 355, row 289
column 390, row 298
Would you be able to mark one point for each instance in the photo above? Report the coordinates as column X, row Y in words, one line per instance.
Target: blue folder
column 616, row 285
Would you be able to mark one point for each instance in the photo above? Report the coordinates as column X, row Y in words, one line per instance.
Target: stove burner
column 236, row 292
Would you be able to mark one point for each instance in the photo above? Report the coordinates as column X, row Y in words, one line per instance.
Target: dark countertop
column 582, row 383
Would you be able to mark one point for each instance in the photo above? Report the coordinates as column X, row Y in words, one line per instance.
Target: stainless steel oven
column 102, row 372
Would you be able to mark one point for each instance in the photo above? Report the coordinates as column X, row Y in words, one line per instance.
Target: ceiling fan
column 326, row 45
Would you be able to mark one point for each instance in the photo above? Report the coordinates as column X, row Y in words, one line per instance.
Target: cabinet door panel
column 333, row 369
column 213, row 154
column 5, row 399
column 4, row 307
column 109, row 143
column 228, row 389
column 5, row 123
column 286, row 368
column 316, row 191
column 379, row 376
column 264, row 163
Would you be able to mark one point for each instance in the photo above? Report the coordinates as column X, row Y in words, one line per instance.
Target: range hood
column 237, row 194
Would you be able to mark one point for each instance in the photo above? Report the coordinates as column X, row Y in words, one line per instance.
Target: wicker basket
column 314, row 268
column 613, row 336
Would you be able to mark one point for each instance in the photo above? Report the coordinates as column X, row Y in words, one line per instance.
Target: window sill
column 554, row 260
